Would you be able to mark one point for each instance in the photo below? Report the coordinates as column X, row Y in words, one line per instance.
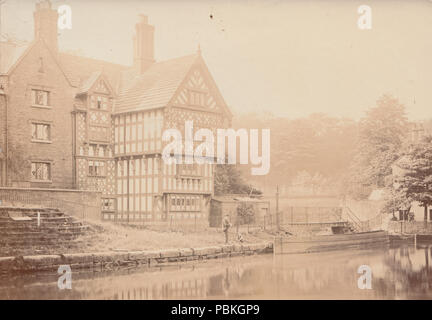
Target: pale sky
column 290, row 58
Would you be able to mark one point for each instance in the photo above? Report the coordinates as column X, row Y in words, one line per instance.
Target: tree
column 396, row 200
column 414, row 181
column 381, row 135
column 228, row 179
column 245, row 213
column 318, row 144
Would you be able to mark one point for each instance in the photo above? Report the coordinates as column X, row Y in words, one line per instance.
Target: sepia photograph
column 215, row 150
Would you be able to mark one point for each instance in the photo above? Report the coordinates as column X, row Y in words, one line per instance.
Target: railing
column 366, row 225
column 354, row 220
column 310, row 214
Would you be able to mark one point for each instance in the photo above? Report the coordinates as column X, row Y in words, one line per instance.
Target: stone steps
column 19, row 228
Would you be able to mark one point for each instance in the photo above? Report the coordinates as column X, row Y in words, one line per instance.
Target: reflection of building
column 78, row 123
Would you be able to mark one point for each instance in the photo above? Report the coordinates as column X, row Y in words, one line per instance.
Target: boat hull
column 330, row 242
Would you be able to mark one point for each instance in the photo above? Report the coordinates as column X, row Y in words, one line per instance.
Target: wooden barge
column 283, row 245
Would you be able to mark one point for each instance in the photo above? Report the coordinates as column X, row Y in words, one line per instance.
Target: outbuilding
column 256, row 210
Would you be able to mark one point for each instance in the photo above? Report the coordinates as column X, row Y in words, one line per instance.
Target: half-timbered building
column 95, row 125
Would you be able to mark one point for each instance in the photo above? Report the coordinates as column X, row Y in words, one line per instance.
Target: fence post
column 277, row 209
column 292, row 214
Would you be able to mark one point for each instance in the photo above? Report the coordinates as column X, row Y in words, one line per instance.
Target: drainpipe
column 128, row 195
column 6, row 164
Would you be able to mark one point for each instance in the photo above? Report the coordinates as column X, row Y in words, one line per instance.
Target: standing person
column 226, row 225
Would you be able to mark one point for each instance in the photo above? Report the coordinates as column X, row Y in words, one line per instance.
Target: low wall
column 134, row 258
column 410, row 227
column 180, row 225
column 85, row 205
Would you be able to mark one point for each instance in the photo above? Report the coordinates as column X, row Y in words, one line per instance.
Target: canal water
column 401, row 272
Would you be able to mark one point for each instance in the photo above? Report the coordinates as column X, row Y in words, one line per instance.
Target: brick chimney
column 45, row 24
column 143, row 44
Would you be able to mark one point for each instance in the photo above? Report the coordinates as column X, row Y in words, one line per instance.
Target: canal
column 398, row 272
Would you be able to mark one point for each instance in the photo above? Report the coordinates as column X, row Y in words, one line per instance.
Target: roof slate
column 80, row 69
column 10, row 54
column 151, row 90
column 156, row 87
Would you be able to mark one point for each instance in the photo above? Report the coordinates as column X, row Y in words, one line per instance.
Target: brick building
column 72, row 122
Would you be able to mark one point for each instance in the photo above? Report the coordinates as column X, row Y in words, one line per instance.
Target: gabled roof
column 10, row 53
column 88, row 84
column 155, row 87
column 80, row 69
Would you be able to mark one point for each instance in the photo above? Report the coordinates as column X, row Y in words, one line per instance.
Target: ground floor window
column 41, row 171
column 181, row 202
column 108, row 204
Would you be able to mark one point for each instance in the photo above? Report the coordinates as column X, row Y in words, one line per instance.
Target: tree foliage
column 318, row 144
column 414, row 179
column 229, row 180
column 381, row 135
column 245, row 213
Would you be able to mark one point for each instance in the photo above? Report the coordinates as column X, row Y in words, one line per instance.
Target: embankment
column 110, row 259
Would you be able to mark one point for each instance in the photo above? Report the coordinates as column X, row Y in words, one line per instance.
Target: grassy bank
column 105, row 236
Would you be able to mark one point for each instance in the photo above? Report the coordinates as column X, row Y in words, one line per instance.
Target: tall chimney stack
column 143, row 45
column 45, row 24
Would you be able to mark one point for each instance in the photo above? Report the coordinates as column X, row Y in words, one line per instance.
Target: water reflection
column 401, row 272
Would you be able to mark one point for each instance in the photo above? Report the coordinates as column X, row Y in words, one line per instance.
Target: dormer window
column 99, row 102
column 101, row 87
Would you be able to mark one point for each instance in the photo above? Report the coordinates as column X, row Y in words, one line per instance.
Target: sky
column 286, row 58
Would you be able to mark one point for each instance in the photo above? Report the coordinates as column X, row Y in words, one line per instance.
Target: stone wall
column 110, row 259
column 85, row 205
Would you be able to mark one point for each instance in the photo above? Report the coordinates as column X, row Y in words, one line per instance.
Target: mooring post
column 38, row 219
column 277, row 209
